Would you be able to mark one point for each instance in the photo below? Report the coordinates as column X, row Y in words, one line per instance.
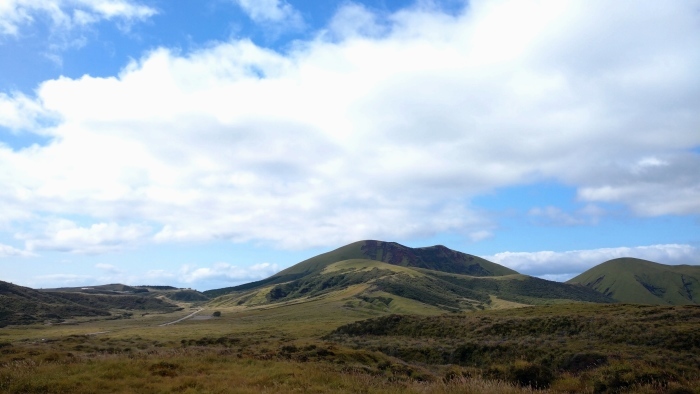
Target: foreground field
column 326, row 346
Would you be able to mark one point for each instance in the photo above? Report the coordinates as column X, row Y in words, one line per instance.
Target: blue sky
column 211, row 143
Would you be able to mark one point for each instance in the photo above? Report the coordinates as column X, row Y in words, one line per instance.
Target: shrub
column 527, row 374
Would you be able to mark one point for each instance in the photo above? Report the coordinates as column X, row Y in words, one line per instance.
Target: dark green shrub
column 528, row 374
column 583, row 361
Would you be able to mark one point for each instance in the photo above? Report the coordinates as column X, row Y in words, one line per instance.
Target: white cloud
column 369, row 135
column 278, row 11
column 551, row 264
column 480, row 235
column 109, row 268
column 67, row 236
column 355, row 20
column 66, row 15
column 9, row 251
column 63, row 280
column 19, row 112
column 555, row 216
column 227, row 273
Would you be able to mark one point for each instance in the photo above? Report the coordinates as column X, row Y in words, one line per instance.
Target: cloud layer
column 382, row 129
column 66, row 15
column 565, row 265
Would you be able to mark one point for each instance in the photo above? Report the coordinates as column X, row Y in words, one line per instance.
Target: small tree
column 216, row 314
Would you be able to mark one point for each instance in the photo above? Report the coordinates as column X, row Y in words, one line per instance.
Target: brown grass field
column 296, row 348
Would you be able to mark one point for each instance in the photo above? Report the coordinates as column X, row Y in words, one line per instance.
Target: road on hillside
column 181, row 319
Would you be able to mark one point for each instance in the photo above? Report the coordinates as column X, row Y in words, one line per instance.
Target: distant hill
column 155, row 292
column 389, row 277
column 114, row 288
column 644, row 282
column 22, row 305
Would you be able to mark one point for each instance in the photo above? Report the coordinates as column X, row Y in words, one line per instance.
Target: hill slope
column 392, row 278
column 437, row 258
column 644, row 282
column 22, row 305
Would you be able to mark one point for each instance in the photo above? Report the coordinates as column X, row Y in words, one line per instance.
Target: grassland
column 427, row 320
column 325, row 345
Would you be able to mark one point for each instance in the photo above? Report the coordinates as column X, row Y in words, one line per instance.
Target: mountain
column 643, row 282
column 389, row 277
column 437, row 258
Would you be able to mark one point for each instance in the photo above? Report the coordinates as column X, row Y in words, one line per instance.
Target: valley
column 369, row 317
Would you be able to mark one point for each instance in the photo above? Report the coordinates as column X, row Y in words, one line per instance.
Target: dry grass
column 280, row 349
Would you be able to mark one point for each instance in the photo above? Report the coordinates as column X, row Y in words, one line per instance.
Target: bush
column 531, row 375
column 216, row 314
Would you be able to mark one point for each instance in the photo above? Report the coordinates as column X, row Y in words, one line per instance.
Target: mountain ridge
column 393, row 253
column 435, row 277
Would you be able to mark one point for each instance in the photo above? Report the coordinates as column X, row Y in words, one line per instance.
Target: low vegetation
column 426, row 320
column 323, row 347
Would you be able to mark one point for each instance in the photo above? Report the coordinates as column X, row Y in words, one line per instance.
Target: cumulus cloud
column 67, row 236
column 369, row 133
column 19, row 112
column 265, row 11
column 224, row 272
column 64, row 280
column 555, row 216
column 109, row 268
column 565, row 265
column 9, row 251
column 66, row 15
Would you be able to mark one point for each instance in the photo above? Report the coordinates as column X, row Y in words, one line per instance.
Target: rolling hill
column 22, row 305
column 155, row 292
column 389, row 277
column 643, row 282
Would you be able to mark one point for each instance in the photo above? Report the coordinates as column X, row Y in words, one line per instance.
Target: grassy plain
column 320, row 346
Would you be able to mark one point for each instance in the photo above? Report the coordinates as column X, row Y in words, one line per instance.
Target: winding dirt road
column 181, row 319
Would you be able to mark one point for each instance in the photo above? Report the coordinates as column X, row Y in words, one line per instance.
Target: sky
column 211, row 143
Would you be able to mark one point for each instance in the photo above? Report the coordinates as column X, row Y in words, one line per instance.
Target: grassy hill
column 644, row 282
column 392, row 278
column 434, row 258
column 154, row 292
column 22, row 305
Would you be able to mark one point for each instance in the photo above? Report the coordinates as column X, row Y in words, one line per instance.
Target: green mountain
column 389, row 277
column 643, row 282
column 437, row 258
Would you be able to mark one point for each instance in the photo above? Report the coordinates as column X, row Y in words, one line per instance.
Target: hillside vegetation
column 394, row 278
column 22, row 305
column 607, row 348
column 318, row 347
column 644, row 282
column 371, row 317
column 437, row 258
